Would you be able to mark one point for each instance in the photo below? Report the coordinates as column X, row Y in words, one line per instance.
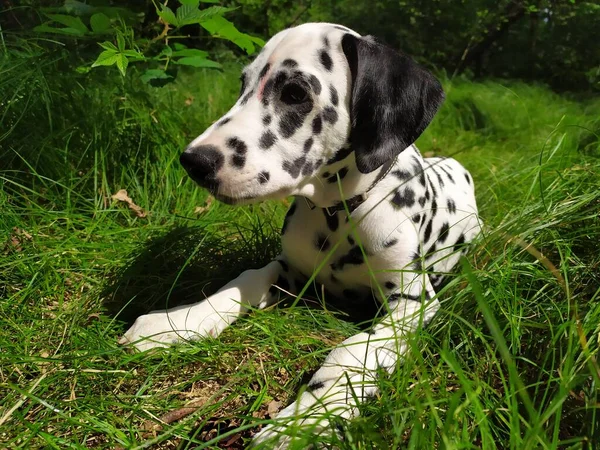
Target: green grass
column 509, row 363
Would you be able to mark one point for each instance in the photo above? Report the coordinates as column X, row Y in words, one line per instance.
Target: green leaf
column 187, row 15
column 167, row 15
column 154, row 74
column 120, row 41
column 70, row 22
column 193, row 3
column 100, row 23
column 106, row 58
column 44, row 28
column 210, row 1
column 190, row 52
column 198, row 61
column 223, row 28
column 106, row 45
column 122, row 63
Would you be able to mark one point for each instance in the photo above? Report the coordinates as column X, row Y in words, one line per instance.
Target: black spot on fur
column 405, row 198
column 264, row 71
column 443, row 233
column 321, row 242
column 330, row 115
column 460, row 242
column 326, row 174
column 326, row 60
column 390, row 284
column 333, row 221
column 439, row 177
column 431, row 251
column 340, row 155
column 416, row 218
column 317, row 125
column 223, row 121
column 428, row 230
column 289, row 63
column 238, row 161
column 342, row 173
column 267, row 140
column 266, row 120
column 289, row 123
column 308, row 168
column 414, row 298
column 402, row 175
column 390, row 243
column 350, row 240
column 284, row 265
column 295, row 167
column 288, row 216
column 467, row 178
column 433, row 208
column 308, row 145
column 419, row 170
column 315, row 83
column 325, row 41
column 448, row 174
column 416, row 259
column 427, row 195
column 315, row 385
column 247, row 97
column 451, row 206
column 267, row 90
column 264, row 177
column 279, row 79
column 353, row 257
column 433, row 191
column 238, row 145
column 333, row 95
column 339, row 27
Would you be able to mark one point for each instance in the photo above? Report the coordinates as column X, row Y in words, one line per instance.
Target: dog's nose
column 202, row 164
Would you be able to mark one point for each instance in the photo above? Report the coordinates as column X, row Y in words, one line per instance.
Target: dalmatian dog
column 330, row 117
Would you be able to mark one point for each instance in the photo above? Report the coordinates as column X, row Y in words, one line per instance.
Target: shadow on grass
column 182, row 266
column 187, row 264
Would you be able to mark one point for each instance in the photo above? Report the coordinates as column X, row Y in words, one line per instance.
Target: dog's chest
column 316, row 242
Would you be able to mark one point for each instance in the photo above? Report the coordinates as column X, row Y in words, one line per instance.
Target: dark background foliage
column 551, row 41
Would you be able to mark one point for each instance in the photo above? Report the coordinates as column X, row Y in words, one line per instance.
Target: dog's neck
column 342, row 185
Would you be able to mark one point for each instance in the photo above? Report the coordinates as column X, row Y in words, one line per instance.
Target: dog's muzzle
column 202, row 164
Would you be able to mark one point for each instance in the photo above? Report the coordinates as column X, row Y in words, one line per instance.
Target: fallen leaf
column 122, row 196
column 273, row 407
column 200, row 209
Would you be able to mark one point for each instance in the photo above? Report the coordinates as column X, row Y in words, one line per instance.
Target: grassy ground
column 509, row 363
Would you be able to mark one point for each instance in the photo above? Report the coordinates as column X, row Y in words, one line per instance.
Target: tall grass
column 509, row 362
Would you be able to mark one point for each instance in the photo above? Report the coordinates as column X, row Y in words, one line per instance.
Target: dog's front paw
column 291, row 432
column 171, row 326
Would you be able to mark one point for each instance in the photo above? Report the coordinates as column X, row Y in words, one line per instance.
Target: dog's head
column 319, row 104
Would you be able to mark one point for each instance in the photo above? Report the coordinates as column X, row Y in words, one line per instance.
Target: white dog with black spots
column 330, row 117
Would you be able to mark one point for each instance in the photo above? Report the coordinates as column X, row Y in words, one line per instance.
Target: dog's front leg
column 252, row 289
column 348, row 375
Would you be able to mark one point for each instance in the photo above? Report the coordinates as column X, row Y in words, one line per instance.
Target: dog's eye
column 293, row 94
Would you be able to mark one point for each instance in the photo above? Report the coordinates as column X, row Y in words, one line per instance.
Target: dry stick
column 172, row 416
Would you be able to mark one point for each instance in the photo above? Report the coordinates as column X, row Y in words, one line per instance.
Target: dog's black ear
column 393, row 100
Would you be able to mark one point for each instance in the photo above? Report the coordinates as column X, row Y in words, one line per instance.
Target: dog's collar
column 357, row 200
